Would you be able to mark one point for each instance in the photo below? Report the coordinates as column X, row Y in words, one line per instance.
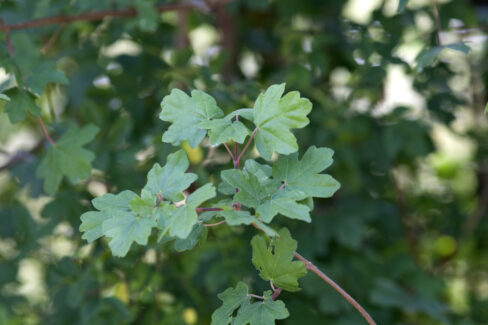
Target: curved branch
column 310, row 266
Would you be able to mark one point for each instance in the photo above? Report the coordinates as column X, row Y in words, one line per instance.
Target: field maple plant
column 253, row 195
column 243, row 162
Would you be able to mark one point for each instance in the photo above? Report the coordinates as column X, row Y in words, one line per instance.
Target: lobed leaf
column 274, row 116
column 186, row 113
column 67, row 158
column 274, row 261
column 171, row 180
column 258, row 313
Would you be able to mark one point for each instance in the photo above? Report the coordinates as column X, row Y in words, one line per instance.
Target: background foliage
column 406, row 233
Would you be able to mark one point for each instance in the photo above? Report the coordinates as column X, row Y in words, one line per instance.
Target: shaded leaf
column 67, row 158
column 20, row 103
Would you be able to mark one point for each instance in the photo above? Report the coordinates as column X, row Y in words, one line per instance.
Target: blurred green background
column 407, row 233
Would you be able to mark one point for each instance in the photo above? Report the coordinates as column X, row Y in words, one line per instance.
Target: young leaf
column 274, row 261
column 144, row 205
column 67, row 158
column 303, row 175
column 257, row 313
column 20, row 103
column 274, row 116
column 181, row 221
column 186, row 113
column 264, row 195
column 171, row 180
column 223, row 130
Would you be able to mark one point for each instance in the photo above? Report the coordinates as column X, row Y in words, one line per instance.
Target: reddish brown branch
column 310, row 266
column 213, row 224
column 247, row 145
column 44, row 131
column 99, row 15
column 208, row 209
column 230, row 152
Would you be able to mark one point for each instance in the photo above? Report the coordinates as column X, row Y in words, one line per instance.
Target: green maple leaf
column 171, row 180
column 232, row 299
column 274, row 116
column 20, row 103
column 179, row 222
column 197, row 235
column 125, row 228
column 143, row 205
column 303, row 175
column 261, row 313
column 186, row 113
column 236, row 218
column 264, row 195
column 67, row 158
column 223, row 130
column 43, row 74
column 258, row 313
column 274, row 261
column 117, row 220
column 109, row 205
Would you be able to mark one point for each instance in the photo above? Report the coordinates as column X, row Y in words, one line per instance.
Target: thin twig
column 310, row 266
column 208, row 209
column 230, row 152
column 51, row 40
column 255, row 296
column 213, row 224
column 247, row 144
column 44, row 131
column 437, row 22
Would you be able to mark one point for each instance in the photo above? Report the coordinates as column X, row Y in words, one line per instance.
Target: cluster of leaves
column 287, row 188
